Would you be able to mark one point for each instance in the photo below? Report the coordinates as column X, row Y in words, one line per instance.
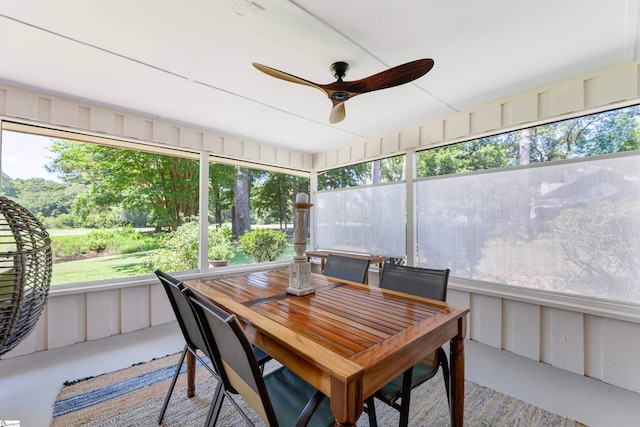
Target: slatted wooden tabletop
column 357, row 335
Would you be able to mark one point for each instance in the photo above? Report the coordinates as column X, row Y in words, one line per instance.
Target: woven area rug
column 134, row 396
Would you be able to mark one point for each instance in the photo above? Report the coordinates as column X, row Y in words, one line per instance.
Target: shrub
column 99, row 240
column 264, row 244
column 180, row 251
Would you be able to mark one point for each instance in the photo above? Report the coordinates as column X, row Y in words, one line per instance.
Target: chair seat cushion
column 289, row 394
column 261, row 356
column 422, row 371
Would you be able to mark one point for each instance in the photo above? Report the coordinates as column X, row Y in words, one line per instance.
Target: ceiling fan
column 340, row 91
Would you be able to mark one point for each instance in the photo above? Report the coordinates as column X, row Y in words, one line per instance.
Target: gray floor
column 29, row 384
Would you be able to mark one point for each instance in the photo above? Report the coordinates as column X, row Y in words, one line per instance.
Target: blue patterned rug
column 134, row 396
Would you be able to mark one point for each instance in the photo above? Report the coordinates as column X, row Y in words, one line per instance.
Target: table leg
column 191, row 374
column 346, row 402
column 456, row 357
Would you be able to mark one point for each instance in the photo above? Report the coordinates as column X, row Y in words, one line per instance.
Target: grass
column 99, row 268
column 124, row 265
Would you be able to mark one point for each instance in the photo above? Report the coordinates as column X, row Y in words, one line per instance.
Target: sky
column 25, row 156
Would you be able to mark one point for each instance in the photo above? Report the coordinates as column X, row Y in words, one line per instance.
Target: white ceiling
column 189, row 61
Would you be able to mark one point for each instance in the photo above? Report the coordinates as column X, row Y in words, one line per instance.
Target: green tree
column 44, row 197
column 222, row 180
column 348, row 176
column 164, row 186
column 8, row 189
column 241, row 218
column 273, row 194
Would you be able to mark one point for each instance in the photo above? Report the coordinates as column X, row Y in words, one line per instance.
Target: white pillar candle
column 302, row 198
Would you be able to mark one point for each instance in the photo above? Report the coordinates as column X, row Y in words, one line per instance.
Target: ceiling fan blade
column 395, row 76
column 286, row 76
column 338, row 113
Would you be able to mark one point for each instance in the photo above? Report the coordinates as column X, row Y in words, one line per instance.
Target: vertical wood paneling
column 568, row 97
column 66, row 319
column 103, row 314
column 506, row 114
column 593, row 346
column 390, row 143
column 410, row 138
column 21, row 103
column 432, row 132
column 521, row 329
column 591, row 92
column 563, row 339
column 233, row 147
column 161, row 311
column 489, row 117
column 486, row 320
column 118, row 124
column 358, row 152
column 621, row 350
column 373, row 148
column 44, row 109
column 3, row 101
column 619, row 83
column 344, row 155
column 84, row 117
column 254, row 152
column 462, row 299
column 545, row 107
column 102, row 120
column 525, row 107
column 136, row 310
column 35, row 341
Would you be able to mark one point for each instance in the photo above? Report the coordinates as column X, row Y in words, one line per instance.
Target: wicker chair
column 25, row 272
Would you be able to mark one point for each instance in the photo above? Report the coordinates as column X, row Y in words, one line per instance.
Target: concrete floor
column 29, row 384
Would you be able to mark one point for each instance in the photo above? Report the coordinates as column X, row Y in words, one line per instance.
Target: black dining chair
column 193, row 337
column 346, row 268
column 280, row 398
column 428, row 283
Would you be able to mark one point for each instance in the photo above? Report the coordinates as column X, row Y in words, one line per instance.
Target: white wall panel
column 521, row 329
column 390, row 143
column 619, row 83
column 525, row 107
column 563, row 339
column 103, row 314
column 161, row 311
column 373, row 148
column 35, row 341
column 621, row 354
column 410, row 138
column 66, row 319
column 486, row 320
column 136, row 310
column 463, row 299
column 593, row 346
column 358, row 151
column 568, row 97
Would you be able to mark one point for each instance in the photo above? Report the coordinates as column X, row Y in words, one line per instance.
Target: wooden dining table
column 346, row 339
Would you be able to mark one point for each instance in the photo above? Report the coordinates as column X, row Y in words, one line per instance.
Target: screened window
column 107, row 208
column 565, row 220
column 363, row 219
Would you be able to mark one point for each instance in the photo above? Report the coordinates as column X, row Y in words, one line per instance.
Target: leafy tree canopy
column 164, row 186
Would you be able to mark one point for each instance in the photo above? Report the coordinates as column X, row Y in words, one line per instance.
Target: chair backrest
column 239, row 367
column 346, row 268
column 184, row 314
column 424, row 282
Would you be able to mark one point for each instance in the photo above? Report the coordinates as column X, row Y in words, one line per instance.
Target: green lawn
column 99, row 268
column 123, row 265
